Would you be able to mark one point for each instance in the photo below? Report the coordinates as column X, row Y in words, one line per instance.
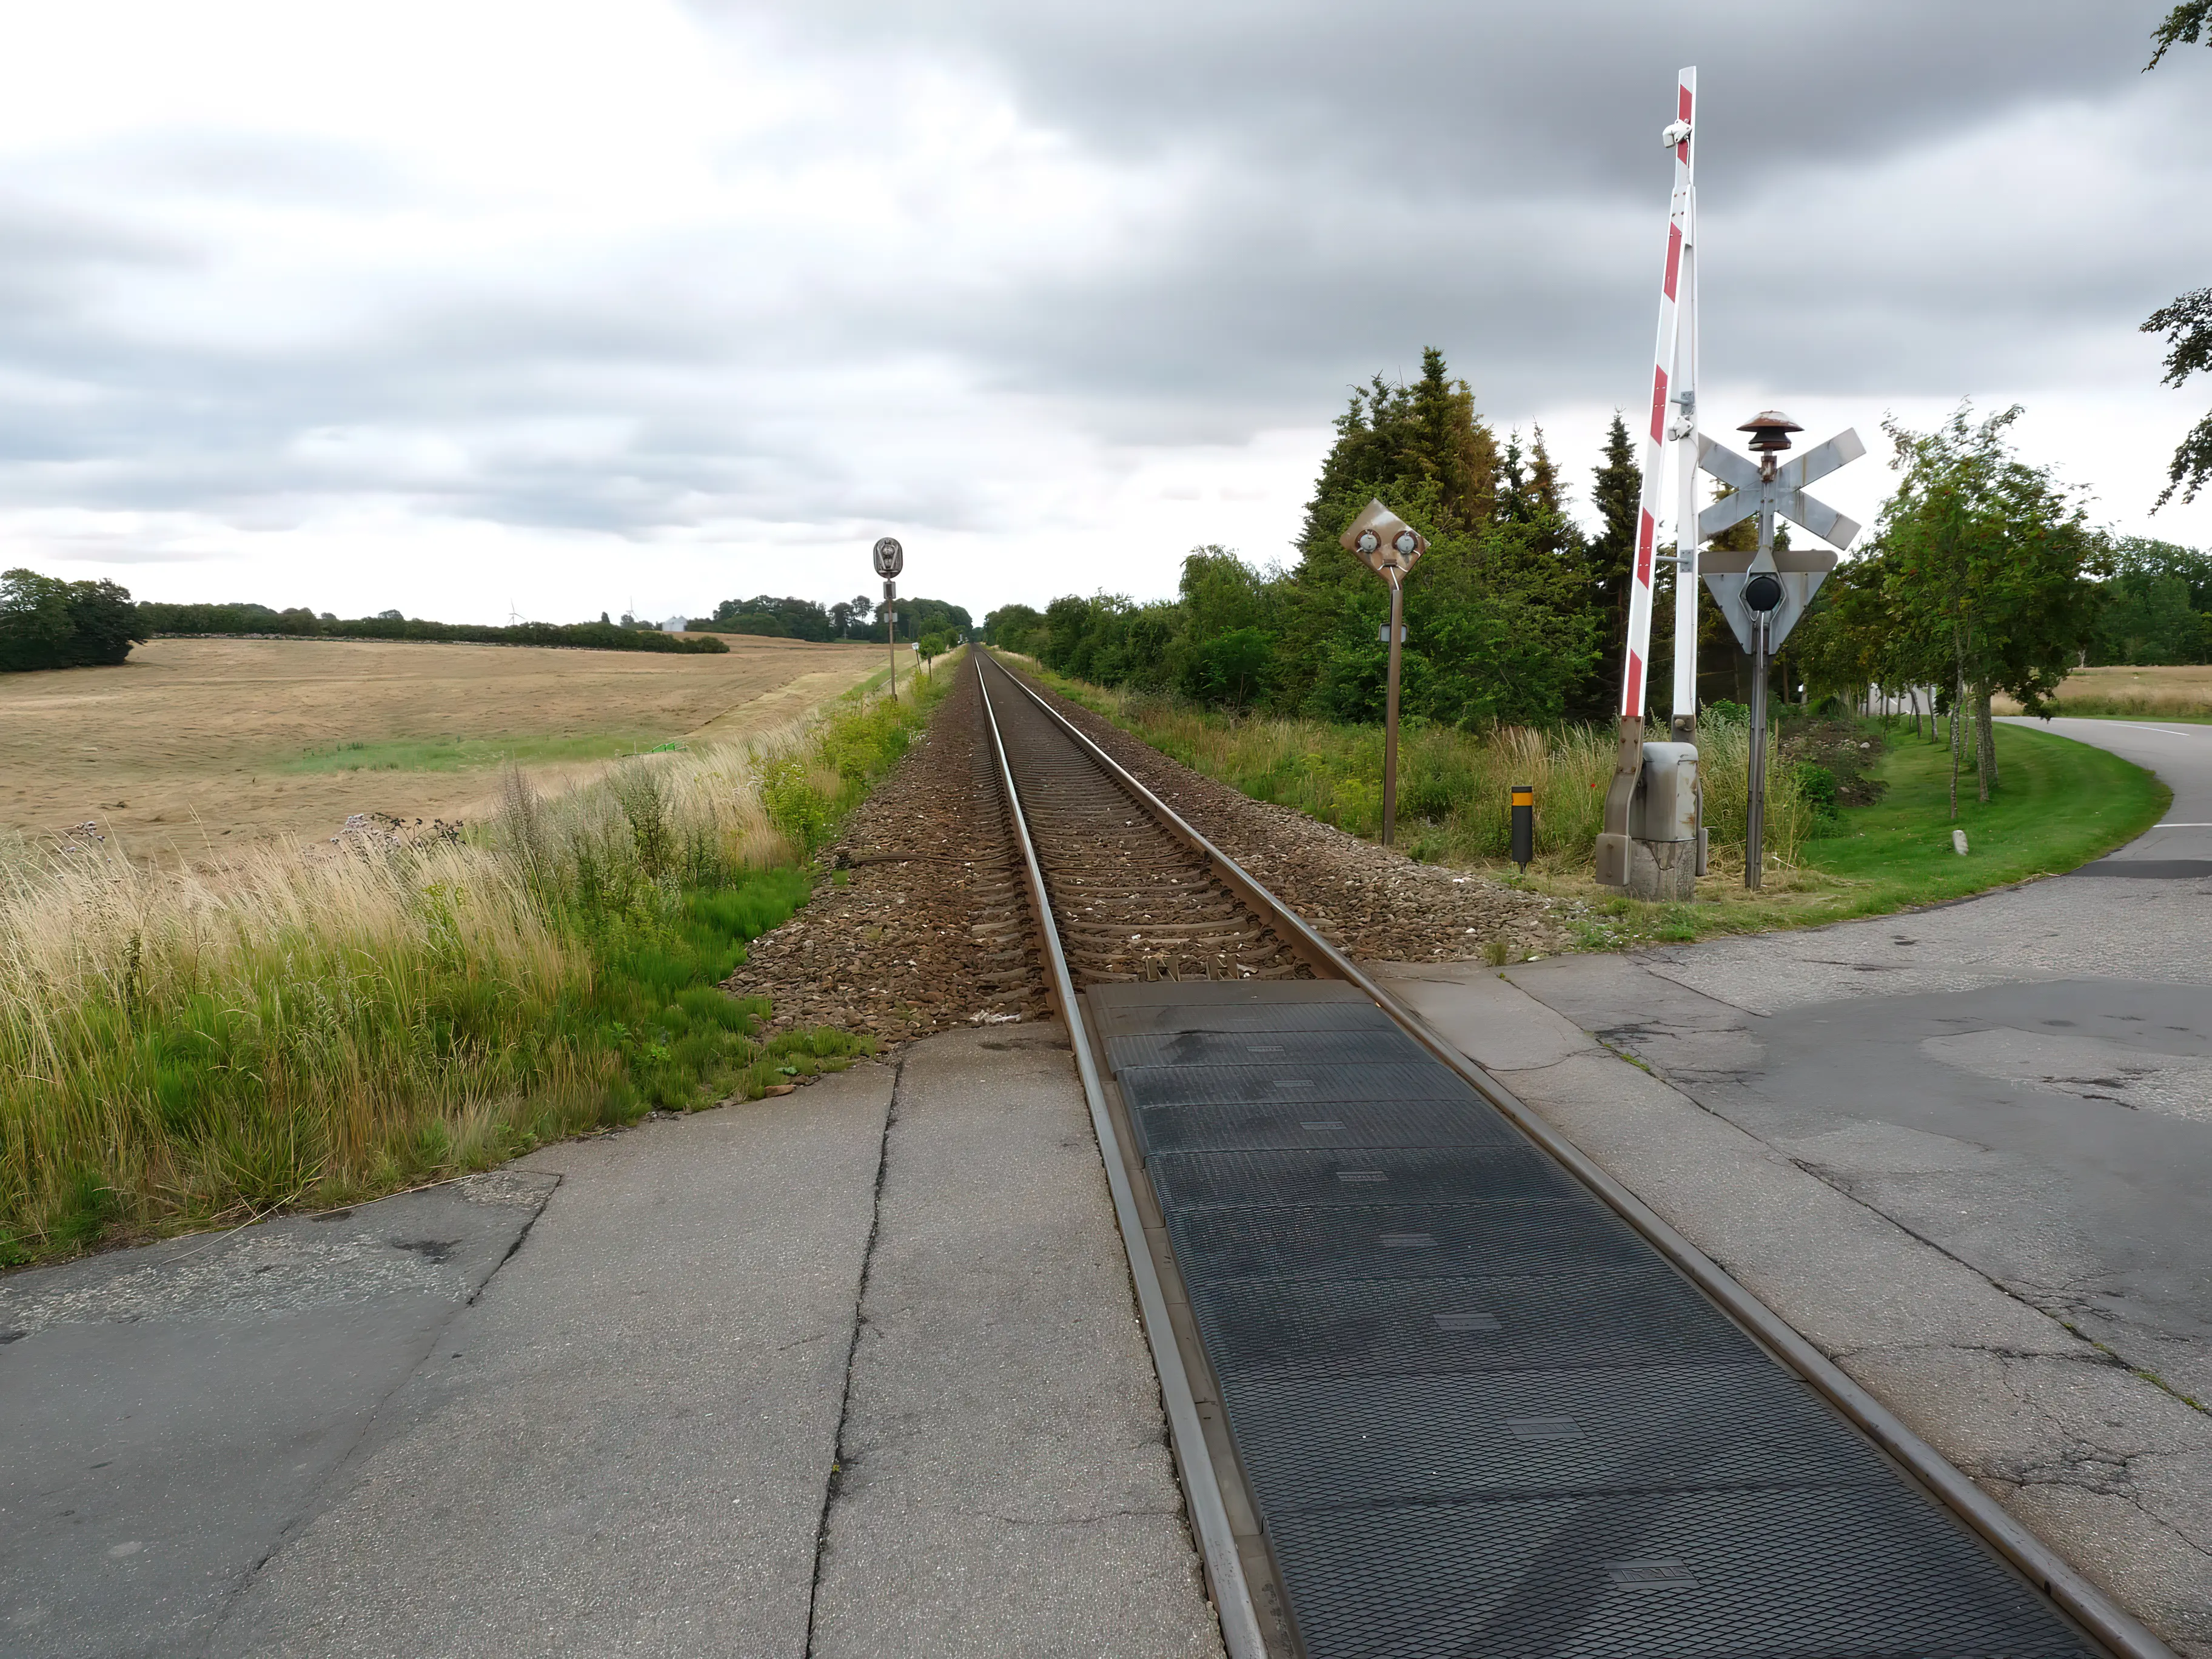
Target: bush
column 1816, row 785
column 794, row 805
column 46, row 623
column 154, row 618
column 1231, row 669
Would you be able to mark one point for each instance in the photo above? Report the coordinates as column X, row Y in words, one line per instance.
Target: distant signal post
column 890, row 559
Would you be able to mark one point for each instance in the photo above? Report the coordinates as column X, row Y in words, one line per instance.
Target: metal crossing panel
column 1377, row 1176
column 1794, row 1572
column 1136, row 1019
column 1478, row 1414
column 1274, row 1048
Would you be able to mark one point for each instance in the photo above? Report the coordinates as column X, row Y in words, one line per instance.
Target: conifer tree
column 1514, row 503
column 1616, row 485
column 1543, row 476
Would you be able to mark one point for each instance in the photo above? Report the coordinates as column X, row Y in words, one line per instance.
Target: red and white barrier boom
column 1672, row 418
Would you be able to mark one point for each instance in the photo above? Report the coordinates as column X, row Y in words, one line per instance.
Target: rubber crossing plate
column 1327, row 1443
column 1465, row 1174
column 1478, row 1414
column 1571, row 1321
column 1217, row 993
column 1290, row 1082
column 1566, row 1234
column 1267, row 1050
column 1417, row 1123
column 1782, row 1573
column 1243, row 1017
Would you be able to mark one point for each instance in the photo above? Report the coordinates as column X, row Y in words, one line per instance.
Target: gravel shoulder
column 920, row 925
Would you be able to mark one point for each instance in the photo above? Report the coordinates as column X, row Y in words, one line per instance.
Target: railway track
column 1132, row 901
column 1436, row 1384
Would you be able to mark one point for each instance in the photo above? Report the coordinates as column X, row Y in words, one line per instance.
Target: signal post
column 1389, row 546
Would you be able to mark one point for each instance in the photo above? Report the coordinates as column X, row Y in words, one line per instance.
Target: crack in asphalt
column 840, row 1458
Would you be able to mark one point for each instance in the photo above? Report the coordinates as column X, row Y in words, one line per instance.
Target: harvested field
column 197, row 744
column 2184, row 691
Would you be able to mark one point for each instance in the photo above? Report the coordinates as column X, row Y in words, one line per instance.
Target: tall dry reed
column 181, row 1047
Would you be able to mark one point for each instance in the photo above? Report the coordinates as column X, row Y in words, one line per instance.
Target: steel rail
column 2119, row 1630
column 1232, row 1597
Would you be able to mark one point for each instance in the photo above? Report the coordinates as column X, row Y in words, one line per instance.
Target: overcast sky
column 559, row 305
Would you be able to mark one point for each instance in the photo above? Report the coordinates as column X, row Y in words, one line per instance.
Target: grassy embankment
column 1453, row 802
column 2060, row 804
column 182, row 1049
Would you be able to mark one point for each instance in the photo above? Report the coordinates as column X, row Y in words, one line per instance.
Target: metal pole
column 1390, row 715
column 1754, row 852
column 890, row 641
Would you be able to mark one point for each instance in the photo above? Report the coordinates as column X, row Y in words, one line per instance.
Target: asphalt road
column 2024, row 1079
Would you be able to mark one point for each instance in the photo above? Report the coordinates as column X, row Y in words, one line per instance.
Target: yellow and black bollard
column 1524, row 824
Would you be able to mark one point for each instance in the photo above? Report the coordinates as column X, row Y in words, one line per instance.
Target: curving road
column 2181, row 754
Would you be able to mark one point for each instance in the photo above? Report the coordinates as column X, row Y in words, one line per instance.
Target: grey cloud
column 1511, row 188
column 1564, row 94
column 1501, row 197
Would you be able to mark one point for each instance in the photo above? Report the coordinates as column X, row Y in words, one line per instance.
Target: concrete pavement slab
column 168, row 1414
column 1006, row 1486
column 623, row 1446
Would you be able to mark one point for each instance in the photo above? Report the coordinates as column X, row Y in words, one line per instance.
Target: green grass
column 1453, row 787
column 2133, row 716
column 180, row 1050
column 452, row 754
column 2059, row 804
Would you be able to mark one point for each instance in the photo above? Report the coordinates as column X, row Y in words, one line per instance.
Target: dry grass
column 194, row 745
column 184, row 1045
column 2182, row 691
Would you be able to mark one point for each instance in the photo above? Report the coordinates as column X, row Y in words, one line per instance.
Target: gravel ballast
column 929, row 930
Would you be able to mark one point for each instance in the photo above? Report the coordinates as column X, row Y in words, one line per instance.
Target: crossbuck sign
column 1771, row 492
